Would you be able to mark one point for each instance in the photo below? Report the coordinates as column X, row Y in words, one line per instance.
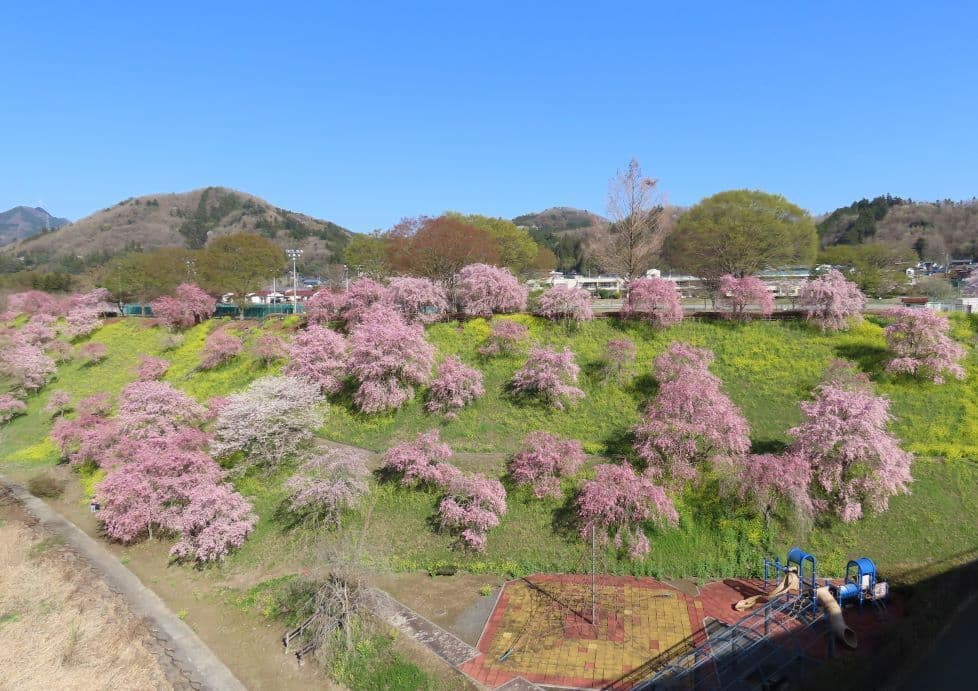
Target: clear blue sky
column 364, row 113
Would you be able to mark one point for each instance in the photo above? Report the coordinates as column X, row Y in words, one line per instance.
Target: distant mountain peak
column 22, row 222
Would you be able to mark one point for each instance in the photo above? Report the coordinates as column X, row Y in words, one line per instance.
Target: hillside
column 22, row 222
column 187, row 219
column 933, row 229
column 566, row 232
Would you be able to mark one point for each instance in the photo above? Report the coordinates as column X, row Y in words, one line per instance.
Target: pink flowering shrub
column 738, row 294
column 38, row 331
column 690, row 421
column 96, row 404
column 87, row 438
column 543, row 460
column 417, row 299
column 766, row 478
column 82, row 320
column 189, row 305
column 422, row 461
column 219, row 348
column 34, row 302
column 455, row 385
column 215, row 521
column 922, row 344
column 363, row 294
column 92, row 353
column 831, row 301
column 619, row 354
column 324, row 306
column 483, row 290
column 318, row 355
column 266, row 422
column 505, row 338
column 549, row 375
column 843, row 438
column 388, row 358
column 59, row 402
column 152, row 409
column 328, row 484
column 269, row 348
column 151, row 368
column 655, row 300
column 10, row 408
column 27, row 365
column 566, row 304
column 59, row 351
column 471, row 507
column 617, row 502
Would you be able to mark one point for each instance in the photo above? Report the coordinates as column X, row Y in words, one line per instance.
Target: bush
column 328, row 484
column 544, row 459
column 455, row 385
column 549, row 375
column 46, row 486
column 505, row 338
column 220, row 347
column 483, row 290
column 565, row 303
column 655, row 300
column 93, row 353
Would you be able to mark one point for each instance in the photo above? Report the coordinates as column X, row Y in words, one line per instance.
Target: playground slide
column 836, row 623
column 788, row 582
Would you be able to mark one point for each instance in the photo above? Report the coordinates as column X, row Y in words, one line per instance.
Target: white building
column 592, row 284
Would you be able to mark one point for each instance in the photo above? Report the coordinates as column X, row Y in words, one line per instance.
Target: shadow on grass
column 620, row 443
column 564, row 521
column 773, row 446
column 643, row 387
column 871, row 359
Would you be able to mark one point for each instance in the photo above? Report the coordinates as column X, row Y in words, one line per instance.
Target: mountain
column 22, row 222
column 187, row 219
column 560, row 219
column 933, row 229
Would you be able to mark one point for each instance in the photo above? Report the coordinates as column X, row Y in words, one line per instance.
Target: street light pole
column 294, row 254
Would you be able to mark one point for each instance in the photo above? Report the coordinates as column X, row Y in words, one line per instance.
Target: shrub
column 619, row 501
column 324, row 306
column 59, row 351
column 455, row 385
column 654, row 300
column 417, row 299
column 505, row 338
column 737, row 294
column 58, row 403
column 151, row 368
column 269, row 348
column 328, row 484
column 472, row 507
column 46, row 486
column 27, row 366
column 565, row 303
column 189, row 305
column 219, row 348
column 33, row 302
column 831, row 301
column 421, row 461
column 93, row 353
column 38, row 331
column 543, row 460
column 923, row 347
column 619, row 354
column 483, row 290
column 215, row 521
column 266, row 422
column 363, row 294
column 549, row 375
column 152, row 409
column 11, row 407
column 388, row 358
column 690, row 422
column 318, row 355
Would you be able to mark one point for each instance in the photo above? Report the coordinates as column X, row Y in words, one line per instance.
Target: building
column 592, row 284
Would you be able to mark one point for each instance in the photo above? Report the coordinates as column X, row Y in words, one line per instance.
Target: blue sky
column 363, row 113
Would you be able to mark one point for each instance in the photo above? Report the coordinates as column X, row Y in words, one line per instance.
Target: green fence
column 224, row 310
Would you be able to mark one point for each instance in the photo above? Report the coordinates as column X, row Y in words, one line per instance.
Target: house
column 592, row 284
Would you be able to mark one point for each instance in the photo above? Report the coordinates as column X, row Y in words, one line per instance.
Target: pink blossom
column 422, row 461
column 59, row 351
column 619, row 501
column 737, row 294
column 363, row 294
column 328, row 484
column 831, row 301
column 656, row 300
column 455, row 385
column 764, row 478
column 38, row 331
column 472, row 506
column 59, row 402
column 505, row 337
column 151, row 368
column 34, row 302
column 318, row 355
column 189, row 305
column 150, row 409
column 81, row 321
column 88, row 438
column 565, row 303
column 93, row 353
column 543, row 460
column 619, row 354
column 483, row 290
column 550, row 375
column 219, row 348
column 921, row 342
column 324, row 306
column 269, row 348
column 215, row 521
column 27, row 366
column 417, row 299
column 10, row 407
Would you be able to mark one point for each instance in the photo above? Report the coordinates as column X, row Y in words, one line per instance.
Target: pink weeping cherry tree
column 831, row 301
column 483, row 290
column 766, row 479
column 565, row 303
column 11, row 407
column 619, row 354
column 506, row 337
column 388, row 358
column 215, row 521
column 549, row 375
column 59, row 403
column 544, row 459
column 617, row 502
column 471, row 507
column 27, row 365
column 268, row 349
column 855, row 462
column 152, row 368
column 38, row 331
column 318, row 355
column 417, row 299
column 188, row 305
column 92, row 353
column 363, row 294
column 421, row 461
column 738, row 294
column 455, row 386
column 152, row 409
column 328, row 484
column 690, row 422
column 655, row 300
column 34, row 302
column 324, row 306
column 921, row 341
column 220, row 347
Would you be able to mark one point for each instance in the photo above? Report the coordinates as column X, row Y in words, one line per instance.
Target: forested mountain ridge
column 22, row 222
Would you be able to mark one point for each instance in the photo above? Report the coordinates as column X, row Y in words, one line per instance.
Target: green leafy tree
column 368, row 255
column 740, row 232
column 517, row 249
column 239, row 264
column 877, row 269
column 145, row 276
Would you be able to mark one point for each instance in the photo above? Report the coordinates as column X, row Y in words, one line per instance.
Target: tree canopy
column 517, row 250
column 240, row 264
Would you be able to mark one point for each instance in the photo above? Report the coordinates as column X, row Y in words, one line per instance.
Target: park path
column 181, row 648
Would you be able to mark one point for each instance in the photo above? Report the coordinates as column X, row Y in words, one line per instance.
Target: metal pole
column 594, row 618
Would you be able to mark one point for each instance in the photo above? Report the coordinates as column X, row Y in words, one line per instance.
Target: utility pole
column 295, row 254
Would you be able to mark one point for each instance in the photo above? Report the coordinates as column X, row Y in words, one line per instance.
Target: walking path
column 200, row 667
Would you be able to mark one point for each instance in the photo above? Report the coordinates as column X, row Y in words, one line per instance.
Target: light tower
column 294, row 254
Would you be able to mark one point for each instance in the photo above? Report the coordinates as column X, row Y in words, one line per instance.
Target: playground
column 612, row 632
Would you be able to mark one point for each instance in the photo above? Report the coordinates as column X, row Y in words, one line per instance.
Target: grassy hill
column 23, row 222
column 187, row 219
column 934, row 229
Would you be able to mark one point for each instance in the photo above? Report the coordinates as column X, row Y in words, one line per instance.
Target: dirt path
column 202, row 669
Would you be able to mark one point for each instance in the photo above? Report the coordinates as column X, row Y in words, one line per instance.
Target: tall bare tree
column 628, row 246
